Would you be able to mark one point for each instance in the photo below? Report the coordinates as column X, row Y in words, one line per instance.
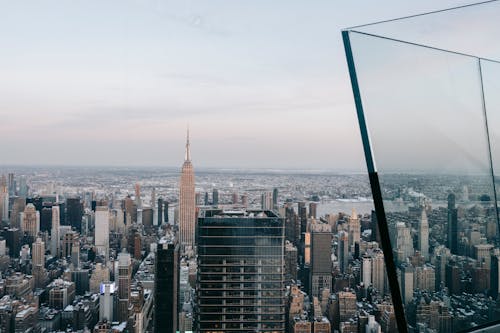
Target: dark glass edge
column 392, row 276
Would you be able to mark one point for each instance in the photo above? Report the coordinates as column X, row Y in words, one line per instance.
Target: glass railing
column 426, row 94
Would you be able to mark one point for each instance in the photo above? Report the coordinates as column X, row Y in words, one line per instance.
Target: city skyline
column 248, row 83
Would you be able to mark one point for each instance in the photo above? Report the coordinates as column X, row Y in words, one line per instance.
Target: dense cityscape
column 158, row 250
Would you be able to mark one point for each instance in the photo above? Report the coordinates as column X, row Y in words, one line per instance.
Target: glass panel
column 491, row 84
column 424, row 112
column 469, row 29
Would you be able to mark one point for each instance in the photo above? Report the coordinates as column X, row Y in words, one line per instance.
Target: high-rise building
column 366, row 271
column 74, row 213
column 406, row 283
column 375, row 237
column 347, row 305
column 343, row 251
column 4, row 199
column 215, row 197
column 138, row 200
column 266, row 201
column 45, row 217
column 147, row 216
column 38, row 253
column 275, row 198
column 100, row 274
column 187, row 207
column 11, row 184
column 452, row 225
column 30, row 221
column 354, row 229
column 423, row 235
column 403, row 242
column 54, row 233
column 160, row 211
column 17, row 207
column 106, row 301
column 237, row 252
column 313, row 210
column 302, row 211
column 321, row 262
column 101, row 238
column 124, row 279
column 378, row 271
column 166, row 289
column 165, row 211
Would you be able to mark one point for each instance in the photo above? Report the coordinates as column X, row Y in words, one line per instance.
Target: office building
column 160, row 211
column 107, row 292
column 101, row 238
column 74, row 213
column 18, row 207
column 166, row 286
column 55, row 239
column 321, row 262
column 423, row 235
column 237, row 252
column 124, row 278
column 354, row 229
column 452, row 234
column 187, row 207
column 30, row 225
column 38, row 253
column 343, row 251
column 215, row 197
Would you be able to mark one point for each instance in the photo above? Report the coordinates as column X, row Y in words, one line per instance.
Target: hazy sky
column 260, row 83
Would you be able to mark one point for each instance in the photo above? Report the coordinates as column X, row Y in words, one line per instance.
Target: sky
column 261, row 84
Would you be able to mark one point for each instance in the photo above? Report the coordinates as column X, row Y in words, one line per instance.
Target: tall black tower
column 452, row 225
column 166, row 286
column 160, row 211
column 74, row 213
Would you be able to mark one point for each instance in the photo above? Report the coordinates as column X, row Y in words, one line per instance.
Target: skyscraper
column 54, row 234
column 404, row 242
column 38, row 253
column 187, row 197
column 4, row 200
column 275, row 198
column 166, row 286
column 343, row 251
column 215, row 197
column 423, row 235
column 101, row 238
column 138, row 200
column 321, row 262
column 124, row 276
column 240, row 271
column 366, row 271
column 106, row 300
column 30, row 221
column 354, row 229
column 452, row 225
column 74, row 213
column 160, row 211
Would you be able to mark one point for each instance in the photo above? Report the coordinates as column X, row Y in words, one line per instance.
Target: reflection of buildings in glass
column 240, row 271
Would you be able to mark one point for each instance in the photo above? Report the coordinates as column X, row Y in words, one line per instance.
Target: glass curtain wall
column 428, row 108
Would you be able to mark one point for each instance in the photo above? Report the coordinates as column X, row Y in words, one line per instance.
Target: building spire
column 188, row 154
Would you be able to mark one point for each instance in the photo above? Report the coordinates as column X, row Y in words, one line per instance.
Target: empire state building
column 187, row 208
